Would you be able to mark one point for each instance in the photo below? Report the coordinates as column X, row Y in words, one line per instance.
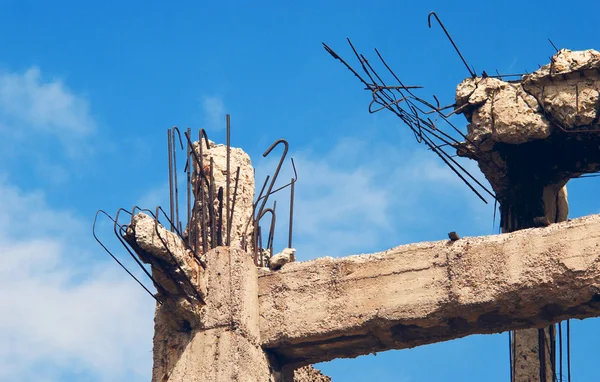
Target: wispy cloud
column 43, row 106
column 71, row 313
column 42, row 122
column 214, row 112
column 65, row 318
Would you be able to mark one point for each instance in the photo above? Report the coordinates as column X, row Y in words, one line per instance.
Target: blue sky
column 87, row 92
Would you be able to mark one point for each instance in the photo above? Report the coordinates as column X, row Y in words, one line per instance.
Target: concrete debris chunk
column 310, row 374
column 453, row 236
column 282, row 258
column 563, row 94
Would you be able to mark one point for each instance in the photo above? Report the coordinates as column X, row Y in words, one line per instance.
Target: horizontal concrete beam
column 430, row 292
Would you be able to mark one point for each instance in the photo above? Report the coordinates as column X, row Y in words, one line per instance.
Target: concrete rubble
column 531, row 135
column 563, row 94
column 282, row 258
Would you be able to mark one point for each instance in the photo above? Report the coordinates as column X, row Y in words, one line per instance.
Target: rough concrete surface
column 529, row 120
column 429, row 292
column 216, row 339
column 282, row 258
column 309, row 374
column 172, row 266
column 206, row 328
column 563, row 94
column 529, row 137
column 245, row 189
column 225, row 345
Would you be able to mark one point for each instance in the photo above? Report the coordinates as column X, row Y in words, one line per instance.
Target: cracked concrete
column 430, row 292
column 244, row 194
column 206, row 328
column 231, row 321
column 563, row 94
column 530, row 136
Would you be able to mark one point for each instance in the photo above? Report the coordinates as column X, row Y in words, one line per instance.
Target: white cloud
column 68, row 311
column 214, row 113
column 33, row 109
column 47, row 106
column 61, row 316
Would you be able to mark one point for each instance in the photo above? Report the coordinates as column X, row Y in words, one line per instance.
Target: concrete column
column 527, row 359
column 223, row 344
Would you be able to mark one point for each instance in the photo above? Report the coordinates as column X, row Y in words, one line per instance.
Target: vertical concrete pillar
column 223, row 344
column 529, row 362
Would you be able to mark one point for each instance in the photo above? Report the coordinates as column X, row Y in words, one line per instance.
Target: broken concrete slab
column 530, row 136
column 430, row 292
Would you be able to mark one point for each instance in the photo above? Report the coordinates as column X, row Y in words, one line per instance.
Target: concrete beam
column 430, row 292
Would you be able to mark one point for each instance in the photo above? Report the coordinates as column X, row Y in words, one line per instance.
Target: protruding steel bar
column 259, row 246
column 293, row 185
column 276, row 173
column 285, row 185
column 271, row 237
column 200, row 187
column 560, row 352
column 167, row 272
column 230, row 216
column 542, row 353
column 207, row 197
column 256, row 229
column 417, row 124
column 196, row 157
column 255, row 237
column 510, row 356
column 189, row 190
column 254, row 205
column 552, row 334
column 194, row 254
column 203, row 222
column 175, row 182
column 472, row 72
column 441, row 154
column 164, row 243
column 115, row 258
column 220, row 218
column 271, row 184
column 170, row 153
column 119, row 234
column 568, row 350
column 228, row 180
column 211, row 206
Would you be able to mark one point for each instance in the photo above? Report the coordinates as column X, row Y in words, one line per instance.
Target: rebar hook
column 283, row 155
column 294, row 179
column 473, row 75
column 114, row 257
